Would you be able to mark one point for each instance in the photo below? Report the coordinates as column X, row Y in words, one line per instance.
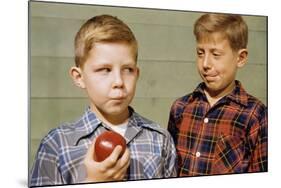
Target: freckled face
column 217, row 64
column 110, row 75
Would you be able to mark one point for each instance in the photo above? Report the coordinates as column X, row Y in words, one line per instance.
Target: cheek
column 228, row 66
column 199, row 64
column 131, row 83
column 96, row 86
column 199, row 68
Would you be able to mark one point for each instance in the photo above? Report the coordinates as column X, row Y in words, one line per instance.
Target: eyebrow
column 211, row 49
column 106, row 64
column 129, row 63
column 101, row 64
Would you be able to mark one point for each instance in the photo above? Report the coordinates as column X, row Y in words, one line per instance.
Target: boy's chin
column 116, row 111
column 210, row 86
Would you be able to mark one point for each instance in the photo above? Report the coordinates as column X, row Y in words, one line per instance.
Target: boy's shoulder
column 249, row 105
column 252, row 100
column 67, row 132
column 82, row 126
column 60, row 133
column 245, row 99
column 256, row 105
column 180, row 104
column 186, row 99
column 183, row 100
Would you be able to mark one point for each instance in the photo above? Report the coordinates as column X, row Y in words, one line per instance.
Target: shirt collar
column 238, row 95
column 85, row 125
column 89, row 122
column 137, row 123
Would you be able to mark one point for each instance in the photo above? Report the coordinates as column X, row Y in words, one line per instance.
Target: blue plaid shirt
column 61, row 153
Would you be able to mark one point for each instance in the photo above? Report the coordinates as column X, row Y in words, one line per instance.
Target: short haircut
column 102, row 29
column 231, row 26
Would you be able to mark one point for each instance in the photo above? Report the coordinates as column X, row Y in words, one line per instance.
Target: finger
column 120, row 174
column 126, row 156
column 123, row 159
column 111, row 160
column 90, row 152
column 122, row 165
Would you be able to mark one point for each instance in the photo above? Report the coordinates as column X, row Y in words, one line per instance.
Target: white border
column 14, row 96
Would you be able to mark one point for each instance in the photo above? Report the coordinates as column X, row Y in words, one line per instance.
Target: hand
column 111, row 169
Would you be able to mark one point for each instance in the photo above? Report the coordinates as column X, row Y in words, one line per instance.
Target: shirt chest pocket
column 150, row 165
column 228, row 155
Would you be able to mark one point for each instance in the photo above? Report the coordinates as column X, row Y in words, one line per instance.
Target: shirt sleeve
column 45, row 170
column 258, row 139
column 172, row 128
column 170, row 158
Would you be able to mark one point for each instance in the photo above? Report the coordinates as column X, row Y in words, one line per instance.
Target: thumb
column 113, row 157
column 91, row 151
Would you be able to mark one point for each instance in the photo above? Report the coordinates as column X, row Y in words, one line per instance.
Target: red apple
column 105, row 144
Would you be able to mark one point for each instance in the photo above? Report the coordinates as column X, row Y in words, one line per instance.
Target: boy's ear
column 242, row 57
column 77, row 77
column 138, row 72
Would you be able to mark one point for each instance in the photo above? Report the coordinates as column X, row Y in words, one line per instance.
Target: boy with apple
column 106, row 68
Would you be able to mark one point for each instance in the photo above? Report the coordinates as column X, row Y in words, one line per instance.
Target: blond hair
column 104, row 29
column 231, row 26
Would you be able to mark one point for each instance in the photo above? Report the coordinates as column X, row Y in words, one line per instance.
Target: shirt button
column 197, row 154
column 206, row 120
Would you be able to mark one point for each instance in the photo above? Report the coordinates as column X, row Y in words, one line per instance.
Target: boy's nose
column 206, row 62
column 118, row 80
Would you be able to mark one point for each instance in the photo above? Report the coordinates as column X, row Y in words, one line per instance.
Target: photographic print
column 185, row 90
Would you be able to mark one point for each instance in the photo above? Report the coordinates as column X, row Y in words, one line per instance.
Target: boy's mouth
column 119, row 95
column 118, row 98
column 210, row 77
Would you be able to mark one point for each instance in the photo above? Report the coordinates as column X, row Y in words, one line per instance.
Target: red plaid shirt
column 230, row 137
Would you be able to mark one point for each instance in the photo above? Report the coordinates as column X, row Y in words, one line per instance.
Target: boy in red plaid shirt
column 219, row 128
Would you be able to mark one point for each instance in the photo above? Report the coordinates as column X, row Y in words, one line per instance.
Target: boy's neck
column 113, row 120
column 212, row 100
column 214, row 96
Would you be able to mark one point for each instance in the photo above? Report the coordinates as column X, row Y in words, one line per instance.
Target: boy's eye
column 129, row 69
column 103, row 70
column 200, row 53
column 216, row 54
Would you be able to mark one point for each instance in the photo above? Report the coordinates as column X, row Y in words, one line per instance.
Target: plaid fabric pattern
column 230, row 137
column 61, row 153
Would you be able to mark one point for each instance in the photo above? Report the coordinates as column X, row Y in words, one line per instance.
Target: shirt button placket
column 198, row 154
